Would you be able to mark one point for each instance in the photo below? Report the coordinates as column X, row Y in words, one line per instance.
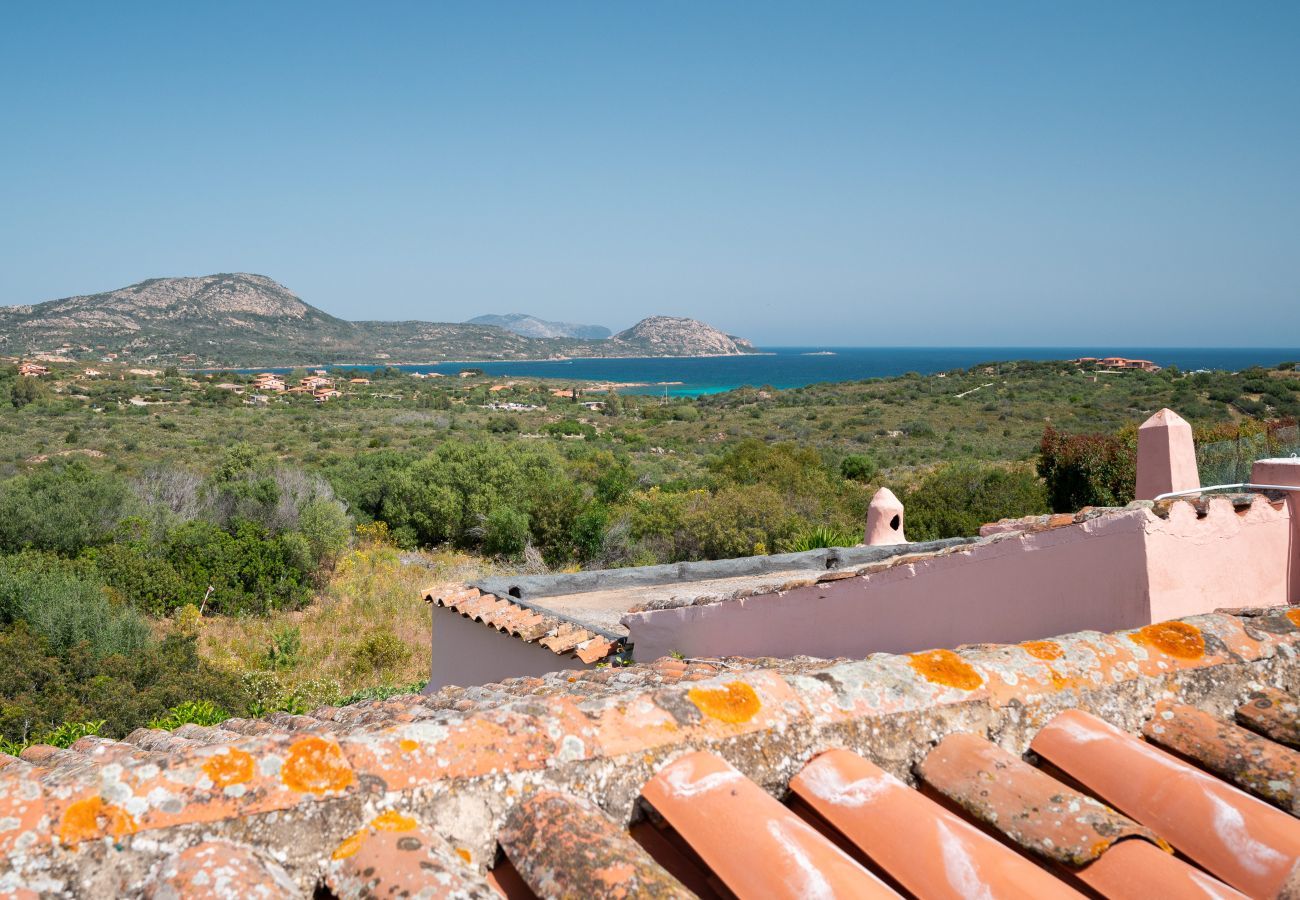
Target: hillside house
column 270, row 382
column 1118, row 362
column 32, row 370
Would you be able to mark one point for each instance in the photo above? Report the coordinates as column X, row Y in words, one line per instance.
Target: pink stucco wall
column 1285, row 471
column 1121, row 570
column 1225, row 559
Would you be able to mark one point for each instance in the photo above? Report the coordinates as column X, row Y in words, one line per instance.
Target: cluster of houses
column 1118, row 362
column 317, row 384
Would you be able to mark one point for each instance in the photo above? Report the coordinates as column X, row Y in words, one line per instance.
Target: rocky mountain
column 531, row 326
column 685, row 337
column 250, row 320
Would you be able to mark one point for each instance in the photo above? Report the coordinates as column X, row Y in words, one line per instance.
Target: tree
column 326, row 526
column 26, row 390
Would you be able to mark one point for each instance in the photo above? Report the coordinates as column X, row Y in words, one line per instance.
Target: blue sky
column 801, row 173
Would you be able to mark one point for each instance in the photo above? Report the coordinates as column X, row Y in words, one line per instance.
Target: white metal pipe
column 1246, row 486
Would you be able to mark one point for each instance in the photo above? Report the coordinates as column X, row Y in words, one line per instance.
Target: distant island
column 531, row 326
column 240, row 319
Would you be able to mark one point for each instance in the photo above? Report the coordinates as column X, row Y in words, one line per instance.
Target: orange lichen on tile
column 1180, row 640
column 390, row 821
column 317, row 766
column 92, row 818
column 410, row 862
column 349, row 845
column 946, row 668
column 232, row 767
column 1294, row 616
column 734, row 703
column 1044, row 650
column 393, row 821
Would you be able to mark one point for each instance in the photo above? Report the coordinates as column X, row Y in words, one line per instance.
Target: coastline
column 467, row 362
column 792, row 367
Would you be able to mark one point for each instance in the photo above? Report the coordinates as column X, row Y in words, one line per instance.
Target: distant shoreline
column 793, row 367
column 468, row 362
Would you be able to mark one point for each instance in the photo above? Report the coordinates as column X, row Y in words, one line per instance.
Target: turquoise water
column 786, row 367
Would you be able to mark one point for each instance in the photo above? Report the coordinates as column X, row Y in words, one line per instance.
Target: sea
column 789, row 367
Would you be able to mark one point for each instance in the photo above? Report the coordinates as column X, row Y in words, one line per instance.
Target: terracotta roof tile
column 217, row 870
column 1241, row 840
column 1141, row 870
column 1251, row 762
column 756, row 846
column 1274, row 715
column 563, row 846
column 556, row 634
column 905, row 834
column 393, row 856
column 1027, row 805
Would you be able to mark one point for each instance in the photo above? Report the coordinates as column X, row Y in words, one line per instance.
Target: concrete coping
column 534, row 587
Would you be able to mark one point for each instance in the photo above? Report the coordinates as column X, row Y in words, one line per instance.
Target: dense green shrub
column 857, row 467
column 64, row 508
column 956, row 499
column 379, row 650
column 571, row 428
column 41, row 688
column 250, row 569
column 505, row 532
column 67, row 609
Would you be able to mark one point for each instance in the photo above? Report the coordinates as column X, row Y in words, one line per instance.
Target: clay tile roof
column 393, row 856
column 756, row 846
column 902, row 833
column 1242, row 841
column 216, row 870
column 1251, row 762
column 563, row 846
column 504, row 613
column 1273, row 714
column 1026, row 770
column 1027, row 805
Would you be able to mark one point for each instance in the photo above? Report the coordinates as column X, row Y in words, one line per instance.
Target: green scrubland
column 171, row 552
